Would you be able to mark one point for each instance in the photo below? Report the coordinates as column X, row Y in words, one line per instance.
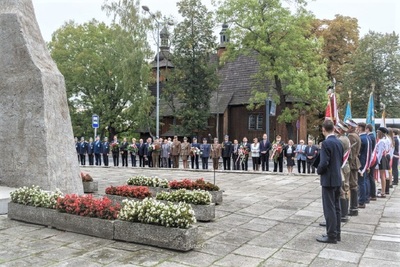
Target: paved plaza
column 265, row 219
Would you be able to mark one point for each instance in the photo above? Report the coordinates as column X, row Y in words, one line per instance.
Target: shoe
column 353, row 213
column 322, row 224
column 326, row 239
column 391, row 186
column 361, row 206
column 338, row 238
column 381, row 196
column 344, row 219
column 372, row 198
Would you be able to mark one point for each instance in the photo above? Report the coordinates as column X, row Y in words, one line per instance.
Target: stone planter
column 216, row 197
column 156, row 235
column 31, row 214
column 203, row 213
column 118, row 199
column 84, row 225
column 90, row 187
column 155, row 190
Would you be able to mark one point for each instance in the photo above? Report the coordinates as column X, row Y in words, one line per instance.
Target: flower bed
column 199, row 184
column 139, row 192
column 34, row 196
column 154, row 183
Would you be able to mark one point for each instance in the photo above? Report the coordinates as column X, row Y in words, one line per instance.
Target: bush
column 86, row 205
column 148, row 181
column 197, row 197
column 139, row 192
column 151, row 211
column 198, row 184
column 34, row 196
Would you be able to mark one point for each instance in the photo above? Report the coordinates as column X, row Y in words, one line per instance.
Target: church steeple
column 164, row 36
column 223, row 39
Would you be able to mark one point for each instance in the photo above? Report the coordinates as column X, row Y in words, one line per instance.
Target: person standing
column 156, row 153
column 124, row 152
column 165, row 153
column 311, row 154
column 195, row 150
column 382, row 152
column 255, row 154
column 265, row 147
column 244, row 154
column 289, row 152
column 105, row 150
column 133, row 151
column 148, row 152
column 395, row 163
column 329, row 166
column 301, row 156
column 175, row 152
column 141, row 153
column 205, row 150
column 115, row 151
column 90, row 151
column 226, row 153
column 83, row 151
column 354, row 161
column 364, row 157
column 97, row 151
column 77, row 149
column 185, row 151
column 371, row 185
column 235, row 155
column 215, row 153
column 277, row 155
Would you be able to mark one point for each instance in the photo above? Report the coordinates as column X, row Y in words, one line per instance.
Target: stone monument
column 36, row 138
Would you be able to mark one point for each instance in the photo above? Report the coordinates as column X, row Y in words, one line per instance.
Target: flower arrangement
column 114, row 146
column 276, row 151
column 197, row 197
column 139, row 192
column 194, row 151
column 153, row 181
column 88, row 206
column 86, row 177
column 133, row 148
column 198, row 184
column 151, row 211
column 34, row 196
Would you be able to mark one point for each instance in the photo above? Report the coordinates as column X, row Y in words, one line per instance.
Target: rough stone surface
column 30, row 214
column 216, row 197
column 35, row 125
column 155, row 235
column 90, row 187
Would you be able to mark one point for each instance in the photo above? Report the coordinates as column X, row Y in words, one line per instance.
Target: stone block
column 204, row 213
column 119, row 199
column 84, row 225
column 216, row 197
column 30, row 214
column 156, row 235
column 155, row 190
column 90, row 187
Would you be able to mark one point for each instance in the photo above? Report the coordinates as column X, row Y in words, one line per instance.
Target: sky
column 376, row 15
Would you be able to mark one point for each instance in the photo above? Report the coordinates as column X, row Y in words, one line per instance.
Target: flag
column 383, row 124
column 370, row 112
column 331, row 111
column 348, row 112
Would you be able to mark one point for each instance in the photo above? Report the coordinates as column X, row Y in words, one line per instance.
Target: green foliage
column 376, row 61
column 106, row 73
column 34, row 196
column 288, row 53
column 195, row 76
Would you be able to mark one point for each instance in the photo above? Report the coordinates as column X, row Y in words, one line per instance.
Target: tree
column 288, row 53
column 195, row 76
column 376, row 61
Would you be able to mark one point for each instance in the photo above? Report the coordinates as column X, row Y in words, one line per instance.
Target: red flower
column 129, row 191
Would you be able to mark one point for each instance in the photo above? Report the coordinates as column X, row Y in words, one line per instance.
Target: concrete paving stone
column 14, row 252
column 238, row 260
column 259, row 227
column 195, row 258
column 351, row 227
column 60, row 253
column 384, row 245
column 28, row 262
column 330, row 252
column 386, row 238
column 255, row 209
column 382, row 254
column 255, row 251
column 169, row 264
column 77, row 262
column 372, row 219
column 125, row 246
column 236, row 219
column 305, row 241
column 295, row 256
column 278, row 214
column 143, row 257
column 107, row 255
column 353, row 242
column 321, row 262
column 273, row 262
column 235, row 236
column 300, row 219
column 367, row 262
column 216, row 248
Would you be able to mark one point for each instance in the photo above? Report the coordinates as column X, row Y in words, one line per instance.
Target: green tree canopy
column 106, row 73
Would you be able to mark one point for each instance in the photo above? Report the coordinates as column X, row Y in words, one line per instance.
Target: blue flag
column 370, row 112
column 348, row 112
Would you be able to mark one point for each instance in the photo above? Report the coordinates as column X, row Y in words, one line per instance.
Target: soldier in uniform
column 175, row 152
column 97, row 151
column 90, row 151
column 205, row 150
column 185, row 151
column 227, row 149
column 83, row 151
column 364, row 157
column 194, row 157
column 105, row 150
column 215, row 153
column 354, row 161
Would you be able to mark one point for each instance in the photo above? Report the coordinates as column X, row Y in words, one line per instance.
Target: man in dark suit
column 227, row 149
column 265, row 147
column 235, row 155
column 371, row 186
column 90, row 151
column 205, row 150
column 105, row 150
column 364, row 157
column 311, row 153
column 245, row 150
column 141, row 153
column 124, row 152
column 395, row 164
column 97, row 151
column 83, row 151
column 115, row 151
column 330, row 162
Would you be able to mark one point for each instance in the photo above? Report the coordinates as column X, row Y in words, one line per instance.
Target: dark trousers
column 264, row 161
column 236, row 162
column 83, row 159
column 91, row 159
column 105, row 159
column 150, row 161
column 124, row 157
column 227, row 163
column 395, row 170
column 245, row 163
column 195, row 161
column 204, row 161
column 115, row 156
column 303, row 164
column 175, row 161
column 362, row 189
column 371, row 184
column 141, row 161
column 332, row 211
column 310, row 166
column 133, row 160
column 278, row 162
column 97, row 156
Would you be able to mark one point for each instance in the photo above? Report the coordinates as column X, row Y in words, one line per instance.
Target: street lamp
column 146, row 8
